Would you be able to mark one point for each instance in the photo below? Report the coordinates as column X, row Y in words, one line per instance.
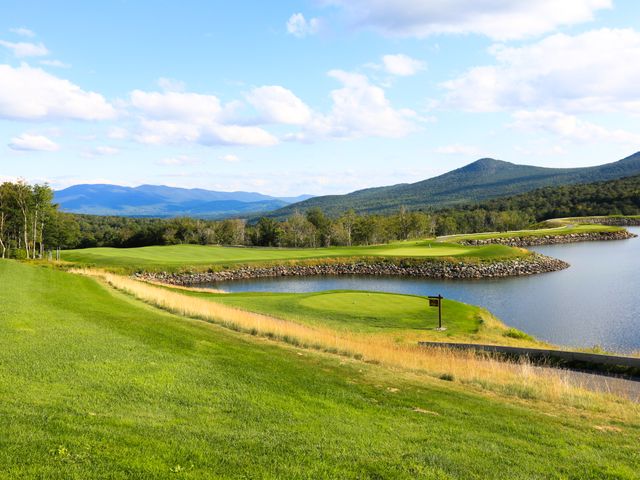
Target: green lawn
column 96, row 385
column 182, row 256
column 406, row 317
column 561, row 229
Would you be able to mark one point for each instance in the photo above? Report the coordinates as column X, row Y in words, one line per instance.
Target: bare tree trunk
column 4, row 248
column 35, row 232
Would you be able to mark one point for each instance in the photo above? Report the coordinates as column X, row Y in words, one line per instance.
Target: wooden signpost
column 437, row 302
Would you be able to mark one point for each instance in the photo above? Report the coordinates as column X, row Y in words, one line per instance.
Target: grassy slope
column 181, row 256
column 96, row 385
column 403, row 317
column 561, row 229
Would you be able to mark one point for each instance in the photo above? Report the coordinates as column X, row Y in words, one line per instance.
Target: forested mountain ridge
column 163, row 201
column 481, row 180
column 611, row 197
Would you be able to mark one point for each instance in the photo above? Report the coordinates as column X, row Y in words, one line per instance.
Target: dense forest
column 614, row 197
column 31, row 225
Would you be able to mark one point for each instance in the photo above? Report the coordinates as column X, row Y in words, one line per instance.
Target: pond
column 594, row 302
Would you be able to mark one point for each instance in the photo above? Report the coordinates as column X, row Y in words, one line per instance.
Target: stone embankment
column 530, row 241
column 529, row 265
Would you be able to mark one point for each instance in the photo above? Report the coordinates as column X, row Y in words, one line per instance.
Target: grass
column 560, row 229
column 94, row 384
column 180, row 257
column 406, row 318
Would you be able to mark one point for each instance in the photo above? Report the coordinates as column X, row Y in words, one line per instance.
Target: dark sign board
column 434, row 302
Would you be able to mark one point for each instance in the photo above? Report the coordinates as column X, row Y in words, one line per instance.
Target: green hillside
column 94, row 384
column 613, row 197
column 481, row 180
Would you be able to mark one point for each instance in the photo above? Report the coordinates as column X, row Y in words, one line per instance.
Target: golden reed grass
column 515, row 379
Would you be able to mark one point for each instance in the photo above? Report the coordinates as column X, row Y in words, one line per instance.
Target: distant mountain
column 483, row 179
column 163, row 201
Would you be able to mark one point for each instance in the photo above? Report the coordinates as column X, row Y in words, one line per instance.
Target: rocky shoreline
column 530, row 241
column 442, row 269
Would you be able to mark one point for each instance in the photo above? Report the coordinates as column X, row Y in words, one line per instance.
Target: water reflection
column 595, row 302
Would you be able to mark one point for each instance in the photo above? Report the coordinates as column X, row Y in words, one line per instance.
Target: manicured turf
column 561, row 229
column 181, row 256
column 408, row 317
column 96, row 385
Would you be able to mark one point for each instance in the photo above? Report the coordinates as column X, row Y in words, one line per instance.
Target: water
column 594, row 302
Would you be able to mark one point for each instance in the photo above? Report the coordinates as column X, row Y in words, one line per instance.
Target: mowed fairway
column 177, row 256
column 96, row 385
column 562, row 229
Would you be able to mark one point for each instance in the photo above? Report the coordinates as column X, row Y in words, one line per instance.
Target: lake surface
column 594, row 302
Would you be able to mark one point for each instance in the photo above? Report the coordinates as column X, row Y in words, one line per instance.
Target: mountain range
column 163, row 201
column 483, row 179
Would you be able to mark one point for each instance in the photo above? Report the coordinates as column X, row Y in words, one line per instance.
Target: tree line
column 30, row 224
column 26, row 219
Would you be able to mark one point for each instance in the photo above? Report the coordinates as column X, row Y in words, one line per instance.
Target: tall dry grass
column 515, row 379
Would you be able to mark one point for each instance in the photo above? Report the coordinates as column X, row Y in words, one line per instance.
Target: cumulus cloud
column 571, row 127
column 181, row 117
column 595, row 71
column 276, row 104
column 25, row 49
column 29, row 142
column 298, row 26
column 402, row 65
column 500, row 20
column 28, row 93
column 359, row 109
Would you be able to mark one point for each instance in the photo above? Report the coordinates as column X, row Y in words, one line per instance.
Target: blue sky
column 318, row 96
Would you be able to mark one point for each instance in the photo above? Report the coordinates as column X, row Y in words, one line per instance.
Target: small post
column 437, row 302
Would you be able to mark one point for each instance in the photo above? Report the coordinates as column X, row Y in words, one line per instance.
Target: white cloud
column 55, row 63
column 595, row 71
column 32, row 94
column 458, row 149
column 171, row 84
column 23, row 32
column 298, row 26
column 278, row 105
column 177, row 117
column 29, row 142
column 176, row 105
column 359, row 109
column 500, row 20
column 402, row 65
column 571, row 128
column 25, row 49
column 231, row 158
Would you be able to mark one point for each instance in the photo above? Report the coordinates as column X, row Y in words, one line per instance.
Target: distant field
column 95, row 384
column 178, row 256
column 561, row 229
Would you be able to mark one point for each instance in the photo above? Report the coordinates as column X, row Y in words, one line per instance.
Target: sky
column 312, row 96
